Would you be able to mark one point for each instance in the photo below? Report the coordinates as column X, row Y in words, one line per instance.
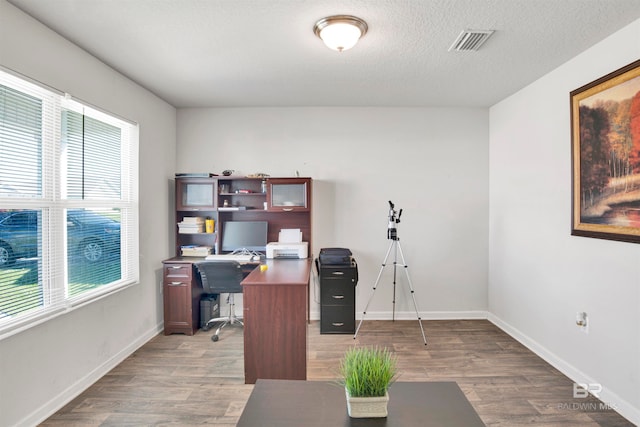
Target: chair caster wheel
column 206, row 328
column 214, row 338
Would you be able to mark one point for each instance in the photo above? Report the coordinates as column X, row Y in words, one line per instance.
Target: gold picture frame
column 605, row 147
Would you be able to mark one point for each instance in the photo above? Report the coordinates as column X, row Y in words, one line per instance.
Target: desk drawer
column 177, row 272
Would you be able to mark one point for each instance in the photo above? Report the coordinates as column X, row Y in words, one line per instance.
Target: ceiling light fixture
column 340, row 32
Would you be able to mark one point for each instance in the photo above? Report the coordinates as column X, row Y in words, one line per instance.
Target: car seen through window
column 91, row 236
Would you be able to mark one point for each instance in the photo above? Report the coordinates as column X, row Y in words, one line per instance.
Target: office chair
column 221, row 277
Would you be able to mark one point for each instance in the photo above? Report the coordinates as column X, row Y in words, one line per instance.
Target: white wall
column 539, row 275
column 431, row 162
column 40, row 369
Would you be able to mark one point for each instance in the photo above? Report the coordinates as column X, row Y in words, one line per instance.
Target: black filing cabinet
column 338, row 298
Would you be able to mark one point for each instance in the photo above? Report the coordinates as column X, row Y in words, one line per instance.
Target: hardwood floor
column 181, row 380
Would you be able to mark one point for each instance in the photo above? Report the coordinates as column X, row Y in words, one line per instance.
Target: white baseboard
column 429, row 315
column 45, row 411
column 411, row 315
column 611, row 399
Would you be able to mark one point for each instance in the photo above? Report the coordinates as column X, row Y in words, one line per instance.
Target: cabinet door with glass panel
column 288, row 194
column 196, row 216
column 194, row 194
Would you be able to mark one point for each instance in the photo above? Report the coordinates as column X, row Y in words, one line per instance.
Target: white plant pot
column 367, row 407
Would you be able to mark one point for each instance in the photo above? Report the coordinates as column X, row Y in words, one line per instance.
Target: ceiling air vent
column 470, row 40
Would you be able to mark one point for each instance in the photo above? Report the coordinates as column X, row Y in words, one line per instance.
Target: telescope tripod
column 395, row 246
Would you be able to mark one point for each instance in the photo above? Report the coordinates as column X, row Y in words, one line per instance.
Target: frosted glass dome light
column 340, row 32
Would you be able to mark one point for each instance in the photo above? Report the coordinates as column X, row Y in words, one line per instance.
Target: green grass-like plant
column 367, row 371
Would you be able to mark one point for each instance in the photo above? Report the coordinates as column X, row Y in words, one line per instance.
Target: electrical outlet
column 582, row 320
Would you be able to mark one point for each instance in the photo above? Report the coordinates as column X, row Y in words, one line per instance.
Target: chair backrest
column 220, row 276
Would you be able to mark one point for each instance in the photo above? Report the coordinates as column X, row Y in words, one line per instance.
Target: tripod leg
column 375, row 285
column 413, row 296
column 395, row 268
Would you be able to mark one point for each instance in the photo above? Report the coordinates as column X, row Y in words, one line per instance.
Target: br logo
column 582, row 390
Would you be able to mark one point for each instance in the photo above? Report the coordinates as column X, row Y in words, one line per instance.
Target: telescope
column 394, row 218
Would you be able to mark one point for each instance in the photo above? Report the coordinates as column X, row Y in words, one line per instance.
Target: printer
column 287, row 250
column 289, row 245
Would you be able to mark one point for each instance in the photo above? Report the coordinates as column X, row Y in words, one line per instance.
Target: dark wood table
column 289, row 403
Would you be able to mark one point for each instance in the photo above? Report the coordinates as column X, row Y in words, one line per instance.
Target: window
column 68, row 204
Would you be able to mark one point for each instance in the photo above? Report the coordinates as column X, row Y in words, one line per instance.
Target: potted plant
column 367, row 373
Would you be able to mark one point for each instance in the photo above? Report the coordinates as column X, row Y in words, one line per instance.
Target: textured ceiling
column 227, row 53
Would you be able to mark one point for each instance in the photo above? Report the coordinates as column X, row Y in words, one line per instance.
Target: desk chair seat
column 221, row 277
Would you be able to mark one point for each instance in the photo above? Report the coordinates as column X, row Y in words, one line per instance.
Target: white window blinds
column 68, row 203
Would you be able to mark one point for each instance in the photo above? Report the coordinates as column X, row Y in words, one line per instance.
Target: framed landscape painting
column 605, row 146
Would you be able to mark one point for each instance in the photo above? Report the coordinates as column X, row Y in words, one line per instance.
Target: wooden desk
column 182, row 291
column 319, row 403
column 275, row 312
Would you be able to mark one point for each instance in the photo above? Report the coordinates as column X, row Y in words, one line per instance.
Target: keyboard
column 229, row 257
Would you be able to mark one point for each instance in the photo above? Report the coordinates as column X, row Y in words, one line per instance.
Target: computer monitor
column 250, row 235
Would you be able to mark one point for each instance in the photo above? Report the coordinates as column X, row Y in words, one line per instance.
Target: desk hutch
column 281, row 202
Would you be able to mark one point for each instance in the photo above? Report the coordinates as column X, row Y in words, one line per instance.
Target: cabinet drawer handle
column 337, row 324
column 287, row 209
column 338, row 273
column 176, row 267
column 337, row 296
column 175, row 283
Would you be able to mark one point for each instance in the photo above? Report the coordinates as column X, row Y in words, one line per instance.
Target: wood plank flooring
column 178, row 380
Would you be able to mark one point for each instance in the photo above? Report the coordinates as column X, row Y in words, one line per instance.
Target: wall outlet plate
column 582, row 320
